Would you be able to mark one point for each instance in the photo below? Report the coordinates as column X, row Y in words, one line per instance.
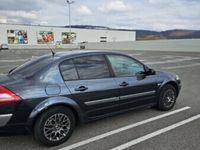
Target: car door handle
column 123, row 84
column 81, row 88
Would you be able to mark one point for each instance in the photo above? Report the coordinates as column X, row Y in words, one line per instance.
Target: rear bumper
column 4, row 119
column 7, row 127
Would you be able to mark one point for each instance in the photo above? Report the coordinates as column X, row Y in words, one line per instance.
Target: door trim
column 137, row 95
column 100, row 101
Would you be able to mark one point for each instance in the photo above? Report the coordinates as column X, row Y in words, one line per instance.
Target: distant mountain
column 96, row 27
column 169, row 34
column 89, row 27
column 182, row 34
column 151, row 35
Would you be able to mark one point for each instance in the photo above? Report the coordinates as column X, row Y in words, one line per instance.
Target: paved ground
column 147, row 129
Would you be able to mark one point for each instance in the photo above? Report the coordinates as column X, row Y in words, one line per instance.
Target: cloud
column 158, row 2
column 3, row 20
column 132, row 14
column 23, row 17
column 161, row 15
column 23, row 14
column 27, row 5
column 84, row 10
column 115, row 6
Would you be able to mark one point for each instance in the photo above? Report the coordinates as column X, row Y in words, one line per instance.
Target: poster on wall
column 66, row 37
column 17, row 37
column 45, row 37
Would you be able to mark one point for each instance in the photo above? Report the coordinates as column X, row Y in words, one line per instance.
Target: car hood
column 168, row 75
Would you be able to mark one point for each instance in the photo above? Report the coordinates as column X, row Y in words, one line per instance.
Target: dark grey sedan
column 51, row 94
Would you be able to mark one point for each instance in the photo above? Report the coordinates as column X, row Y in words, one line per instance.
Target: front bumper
column 179, row 86
column 4, row 119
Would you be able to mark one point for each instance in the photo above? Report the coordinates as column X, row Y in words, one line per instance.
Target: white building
column 32, row 36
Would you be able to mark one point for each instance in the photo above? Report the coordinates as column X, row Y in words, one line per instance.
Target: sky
column 157, row 15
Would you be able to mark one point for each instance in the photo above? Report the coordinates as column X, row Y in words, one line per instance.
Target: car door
column 134, row 90
column 91, row 84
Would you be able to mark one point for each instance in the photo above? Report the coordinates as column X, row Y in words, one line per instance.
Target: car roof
column 82, row 52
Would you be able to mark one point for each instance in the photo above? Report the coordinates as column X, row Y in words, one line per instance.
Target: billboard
column 45, row 37
column 17, row 37
column 66, row 37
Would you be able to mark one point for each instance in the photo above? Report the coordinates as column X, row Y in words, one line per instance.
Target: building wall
column 181, row 45
column 83, row 35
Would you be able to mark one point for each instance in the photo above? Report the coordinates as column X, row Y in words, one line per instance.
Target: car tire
column 167, row 97
column 54, row 126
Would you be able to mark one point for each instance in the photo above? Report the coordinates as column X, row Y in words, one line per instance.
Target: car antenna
column 53, row 53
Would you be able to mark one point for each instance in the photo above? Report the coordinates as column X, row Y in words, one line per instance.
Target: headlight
column 177, row 77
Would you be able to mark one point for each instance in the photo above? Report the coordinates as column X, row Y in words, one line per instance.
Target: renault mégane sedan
column 51, row 94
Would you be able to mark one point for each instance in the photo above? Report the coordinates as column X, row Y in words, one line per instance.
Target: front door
column 134, row 91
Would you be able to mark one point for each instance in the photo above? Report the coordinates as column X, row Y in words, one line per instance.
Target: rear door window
column 92, row 67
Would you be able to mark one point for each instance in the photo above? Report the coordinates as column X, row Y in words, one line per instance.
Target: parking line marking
column 142, row 60
column 172, row 61
column 156, row 133
column 16, row 60
column 7, row 66
column 101, row 136
column 183, row 66
column 136, row 54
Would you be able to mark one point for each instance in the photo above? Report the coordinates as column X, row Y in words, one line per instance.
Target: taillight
column 7, row 96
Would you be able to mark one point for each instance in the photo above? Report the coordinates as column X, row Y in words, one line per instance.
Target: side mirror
column 149, row 71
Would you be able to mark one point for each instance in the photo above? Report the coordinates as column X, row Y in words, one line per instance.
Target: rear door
column 88, row 79
column 134, row 92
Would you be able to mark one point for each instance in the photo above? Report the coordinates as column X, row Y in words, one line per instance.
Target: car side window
column 68, row 70
column 124, row 66
column 92, row 67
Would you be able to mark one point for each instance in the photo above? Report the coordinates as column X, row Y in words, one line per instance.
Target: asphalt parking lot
column 146, row 129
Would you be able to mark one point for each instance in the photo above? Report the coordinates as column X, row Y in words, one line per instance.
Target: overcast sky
column 131, row 14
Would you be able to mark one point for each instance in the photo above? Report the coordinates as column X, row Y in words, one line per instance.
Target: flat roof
column 77, row 27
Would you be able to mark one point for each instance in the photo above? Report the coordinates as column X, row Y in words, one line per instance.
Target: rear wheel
column 54, row 126
column 167, row 98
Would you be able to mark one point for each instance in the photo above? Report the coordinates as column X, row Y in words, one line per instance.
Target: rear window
column 29, row 68
column 68, row 70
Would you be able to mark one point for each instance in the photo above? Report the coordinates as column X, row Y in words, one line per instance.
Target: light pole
column 69, row 3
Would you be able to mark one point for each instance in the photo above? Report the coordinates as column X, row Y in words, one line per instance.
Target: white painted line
column 156, row 133
column 142, row 60
column 16, row 60
column 169, row 56
column 183, row 66
column 13, row 65
column 172, row 61
column 101, row 136
column 136, row 54
column 175, row 57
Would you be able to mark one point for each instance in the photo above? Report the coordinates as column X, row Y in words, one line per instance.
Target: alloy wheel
column 57, row 127
column 169, row 98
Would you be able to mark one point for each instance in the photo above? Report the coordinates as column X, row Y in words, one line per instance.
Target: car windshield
column 32, row 66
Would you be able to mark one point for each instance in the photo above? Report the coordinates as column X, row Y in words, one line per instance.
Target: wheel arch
column 173, row 83
column 55, row 102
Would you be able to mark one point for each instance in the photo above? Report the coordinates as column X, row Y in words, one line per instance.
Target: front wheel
column 54, row 126
column 167, row 98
